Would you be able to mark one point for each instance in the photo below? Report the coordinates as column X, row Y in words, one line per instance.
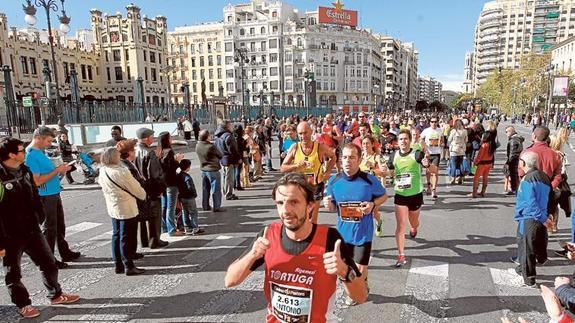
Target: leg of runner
column 401, row 218
column 378, row 222
column 434, row 169
column 413, row 222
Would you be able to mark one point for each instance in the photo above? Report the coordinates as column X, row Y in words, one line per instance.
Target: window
column 152, row 57
column 218, row 46
column 211, row 87
column 210, row 60
column 127, row 55
column 263, row 46
column 332, row 72
column 202, row 61
column 193, row 62
column 192, row 48
column 274, row 29
column 128, row 73
column 252, row 31
column 264, row 72
column 66, row 69
column 210, row 73
column 118, row 72
column 202, row 74
column 145, row 55
column 219, row 60
column 194, row 87
column 254, row 73
column 230, row 87
column 83, row 71
column 273, row 57
column 153, row 73
column 274, row 85
column 229, row 73
column 145, row 73
column 108, row 73
column 219, row 73
column 253, row 46
column 200, row 48
column 229, row 60
column 273, row 43
column 33, row 66
column 24, row 63
column 209, row 47
column 242, row 32
column 273, row 71
column 194, row 75
column 263, row 30
column 116, row 55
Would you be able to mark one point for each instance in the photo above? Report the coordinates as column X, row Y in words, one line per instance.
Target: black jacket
column 21, row 210
column 186, row 187
column 226, row 143
column 514, row 148
column 148, row 163
column 66, row 150
column 170, row 167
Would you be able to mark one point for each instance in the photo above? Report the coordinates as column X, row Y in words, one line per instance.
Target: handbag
column 144, row 209
column 465, row 167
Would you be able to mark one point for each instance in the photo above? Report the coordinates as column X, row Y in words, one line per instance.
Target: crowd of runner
column 346, row 163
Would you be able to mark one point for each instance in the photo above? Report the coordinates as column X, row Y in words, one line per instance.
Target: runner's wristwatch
column 349, row 276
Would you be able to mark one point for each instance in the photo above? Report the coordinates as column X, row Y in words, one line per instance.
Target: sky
column 442, row 30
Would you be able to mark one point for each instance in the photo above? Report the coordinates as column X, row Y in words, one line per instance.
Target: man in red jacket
column 549, row 160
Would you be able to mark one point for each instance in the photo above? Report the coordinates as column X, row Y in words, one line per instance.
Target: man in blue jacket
column 226, row 143
column 531, row 214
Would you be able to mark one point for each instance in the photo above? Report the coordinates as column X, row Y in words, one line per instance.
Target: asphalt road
column 458, row 268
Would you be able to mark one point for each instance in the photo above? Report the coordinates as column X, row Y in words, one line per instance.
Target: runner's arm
column 288, row 166
column 327, row 152
column 356, row 289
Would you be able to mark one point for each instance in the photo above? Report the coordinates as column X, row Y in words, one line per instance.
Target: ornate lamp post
column 30, row 18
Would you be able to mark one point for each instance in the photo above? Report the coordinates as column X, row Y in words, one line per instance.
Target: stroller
column 86, row 166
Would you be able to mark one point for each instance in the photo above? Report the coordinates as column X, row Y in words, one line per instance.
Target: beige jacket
column 120, row 204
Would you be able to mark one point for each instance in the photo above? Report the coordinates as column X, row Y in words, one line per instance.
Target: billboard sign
column 337, row 15
column 561, row 86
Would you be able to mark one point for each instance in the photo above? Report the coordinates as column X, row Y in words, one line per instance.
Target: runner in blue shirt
column 47, row 179
column 354, row 195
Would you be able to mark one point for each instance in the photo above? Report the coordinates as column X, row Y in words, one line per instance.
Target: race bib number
column 434, row 140
column 310, row 178
column 291, row 304
column 403, row 181
column 350, row 212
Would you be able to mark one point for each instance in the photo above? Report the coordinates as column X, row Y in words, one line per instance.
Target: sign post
column 27, row 101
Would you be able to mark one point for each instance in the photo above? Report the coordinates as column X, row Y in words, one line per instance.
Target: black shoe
column 61, row 264
column 137, row 256
column 232, row 198
column 134, row 271
column 209, row 208
column 561, row 253
column 72, row 255
column 542, row 262
column 220, row 210
column 119, row 270
column 272, row 170
column 160, row 244
column 514, row 260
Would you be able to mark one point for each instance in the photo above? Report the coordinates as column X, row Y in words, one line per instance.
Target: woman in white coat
column 121, row 190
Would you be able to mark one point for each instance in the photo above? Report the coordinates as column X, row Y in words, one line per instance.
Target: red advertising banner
column 337, row 16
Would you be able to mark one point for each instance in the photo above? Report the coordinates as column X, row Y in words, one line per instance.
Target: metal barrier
column 91, row 112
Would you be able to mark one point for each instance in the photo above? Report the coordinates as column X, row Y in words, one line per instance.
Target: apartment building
column 468, row 73
column 196, row 57
column 508, row 29
column 563, row 56
column 401, row 65
column 132, row 49
column 429, row 89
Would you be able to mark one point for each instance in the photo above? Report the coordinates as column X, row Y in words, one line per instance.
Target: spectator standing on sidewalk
column 188, row 196
column 532, row 217
column 47, row 179
column 20, row 210
column 209, row 156
column 121, row 192
column 66, row 152
column 228, row 146
column 149, row 166
column 188, row 128
column 170, row 163
column 196, row 128
column 116, row 136
column 514, row 149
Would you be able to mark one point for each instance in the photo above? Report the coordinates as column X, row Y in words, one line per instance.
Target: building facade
column 429, row 89
column 108, row 59
column 401, row 66
column 508, row 29
column 133, row 49
column 196, row 58
column 468, row 73
column 563, row 56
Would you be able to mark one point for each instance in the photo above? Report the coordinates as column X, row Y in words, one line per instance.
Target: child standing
column 187, row 196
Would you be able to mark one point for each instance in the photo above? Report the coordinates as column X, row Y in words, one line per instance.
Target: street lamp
column 241, row 58
column 30, row 18
column 549, row 73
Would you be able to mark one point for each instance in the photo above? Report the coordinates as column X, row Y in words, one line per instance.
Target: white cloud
column 452, row 82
